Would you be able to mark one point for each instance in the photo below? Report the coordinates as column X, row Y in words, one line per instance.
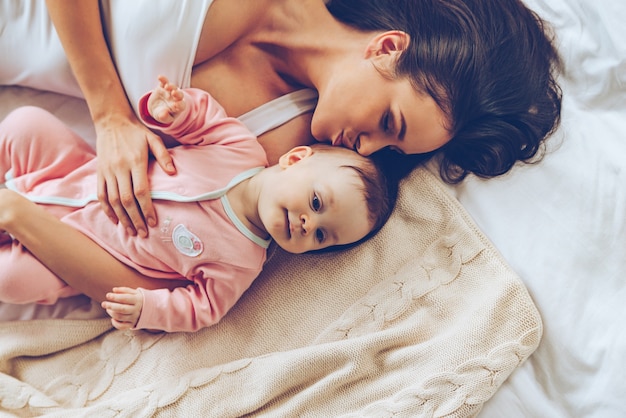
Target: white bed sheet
column 560, row 224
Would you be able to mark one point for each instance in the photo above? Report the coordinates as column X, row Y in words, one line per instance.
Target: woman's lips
column 337, row 142
column 343, row 140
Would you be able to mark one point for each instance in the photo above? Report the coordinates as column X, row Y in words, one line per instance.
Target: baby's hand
column 166, row 101
column 123, row 305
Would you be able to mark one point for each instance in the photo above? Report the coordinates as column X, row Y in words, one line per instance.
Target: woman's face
column 362, row 109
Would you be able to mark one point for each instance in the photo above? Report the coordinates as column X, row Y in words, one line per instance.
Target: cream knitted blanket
column 425, row 320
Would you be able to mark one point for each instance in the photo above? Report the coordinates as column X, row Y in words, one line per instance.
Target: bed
column 497, row 298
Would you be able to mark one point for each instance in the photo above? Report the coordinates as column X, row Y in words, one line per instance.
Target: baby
column 216, row 217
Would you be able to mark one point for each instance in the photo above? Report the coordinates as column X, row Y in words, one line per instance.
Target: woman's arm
column 123, row 142
column 72, row 256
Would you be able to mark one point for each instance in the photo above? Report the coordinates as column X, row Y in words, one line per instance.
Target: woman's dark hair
column 489, row 64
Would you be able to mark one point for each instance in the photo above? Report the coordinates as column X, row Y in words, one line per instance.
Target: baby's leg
column 23, row 279
column 33, row 140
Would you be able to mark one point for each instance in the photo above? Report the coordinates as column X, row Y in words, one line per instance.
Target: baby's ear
column 294, row 155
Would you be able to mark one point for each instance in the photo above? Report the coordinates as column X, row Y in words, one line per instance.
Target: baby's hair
column 380, row 191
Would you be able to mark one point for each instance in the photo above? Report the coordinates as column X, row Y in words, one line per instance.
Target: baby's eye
column 317, row 203
column 319, row 236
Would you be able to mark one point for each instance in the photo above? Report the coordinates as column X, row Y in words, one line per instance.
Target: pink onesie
column 198, row 236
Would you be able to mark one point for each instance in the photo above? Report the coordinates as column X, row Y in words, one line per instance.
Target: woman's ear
column 386, row 47
column 294, row 155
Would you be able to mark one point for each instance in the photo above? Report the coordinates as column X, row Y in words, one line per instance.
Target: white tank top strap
column 279, row 111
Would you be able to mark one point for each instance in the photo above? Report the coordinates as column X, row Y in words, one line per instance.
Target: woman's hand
column 123, row 147
column 123, row 305
column 123, row 142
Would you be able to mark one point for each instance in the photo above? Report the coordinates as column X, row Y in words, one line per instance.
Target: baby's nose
column 306, row 224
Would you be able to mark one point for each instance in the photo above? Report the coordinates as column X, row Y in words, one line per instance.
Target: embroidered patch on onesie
column 186, row 242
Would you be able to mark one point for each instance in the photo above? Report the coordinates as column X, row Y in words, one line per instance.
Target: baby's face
column 315, row 203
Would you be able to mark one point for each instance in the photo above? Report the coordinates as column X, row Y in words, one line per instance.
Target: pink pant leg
column 35, row 142
column 23, row 279
column 35, row 146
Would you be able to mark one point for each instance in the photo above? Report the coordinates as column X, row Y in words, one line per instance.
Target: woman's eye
column 396, row 149
column 386, row 122
column 319, row 235
column 317, row 203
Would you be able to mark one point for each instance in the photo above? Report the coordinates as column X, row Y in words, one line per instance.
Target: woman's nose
column 367, row 144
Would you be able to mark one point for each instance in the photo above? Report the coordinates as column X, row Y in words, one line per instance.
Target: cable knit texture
column 424, row 320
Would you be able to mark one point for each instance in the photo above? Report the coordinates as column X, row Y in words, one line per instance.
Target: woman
column 473, row 79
